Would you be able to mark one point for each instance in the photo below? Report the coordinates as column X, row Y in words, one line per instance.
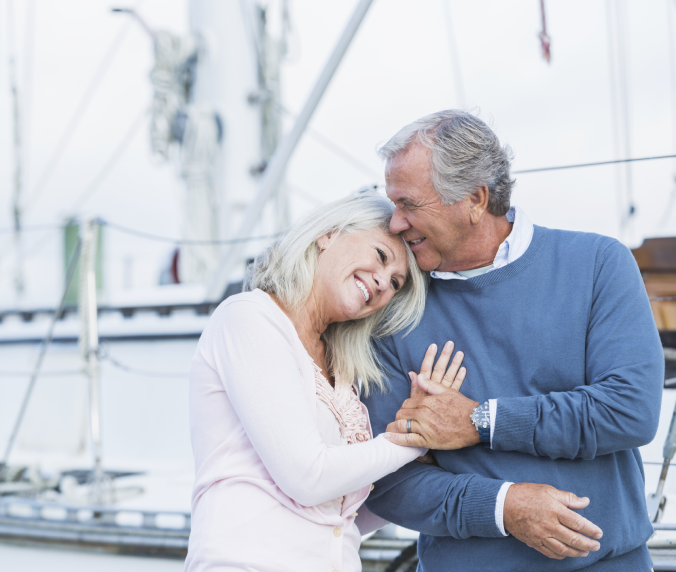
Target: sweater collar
column 499, row 274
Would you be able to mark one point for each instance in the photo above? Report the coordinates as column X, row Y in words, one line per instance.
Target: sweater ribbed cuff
column 478, row 508
column 515, row 425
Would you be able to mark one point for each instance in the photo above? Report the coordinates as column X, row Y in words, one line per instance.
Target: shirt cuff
column 500, row 507
column 493, row 412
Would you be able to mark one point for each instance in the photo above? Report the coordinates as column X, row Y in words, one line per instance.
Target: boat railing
column 121, row 529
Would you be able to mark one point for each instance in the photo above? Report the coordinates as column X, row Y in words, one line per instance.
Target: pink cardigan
column 276, row 487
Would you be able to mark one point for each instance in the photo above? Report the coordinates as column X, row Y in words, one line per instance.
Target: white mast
column 228, row 81
column 276, row 168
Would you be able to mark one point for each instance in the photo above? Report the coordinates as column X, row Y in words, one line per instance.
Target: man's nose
column 398, row 223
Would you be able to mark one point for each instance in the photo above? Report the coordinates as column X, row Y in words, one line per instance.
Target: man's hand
column 541, row 517
column 437, row 422
column 438, row 413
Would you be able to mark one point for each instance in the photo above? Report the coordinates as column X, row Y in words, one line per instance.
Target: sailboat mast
column 276, row 168
column 18, row 171
column 229, row 81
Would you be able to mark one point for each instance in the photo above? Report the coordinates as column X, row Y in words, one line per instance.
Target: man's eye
column 382, row 256
column 395, row 284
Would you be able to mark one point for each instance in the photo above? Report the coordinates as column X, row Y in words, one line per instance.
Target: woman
column 283, row 447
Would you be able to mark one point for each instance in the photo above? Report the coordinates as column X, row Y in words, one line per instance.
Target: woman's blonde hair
column 287, row 269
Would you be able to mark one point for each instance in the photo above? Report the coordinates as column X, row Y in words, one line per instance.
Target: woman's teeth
column 363, row 289
column 414, row 242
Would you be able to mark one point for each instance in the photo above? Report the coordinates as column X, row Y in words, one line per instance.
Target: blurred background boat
column 152, row 193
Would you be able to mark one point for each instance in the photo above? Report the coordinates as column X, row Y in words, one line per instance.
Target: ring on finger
column 408, row 426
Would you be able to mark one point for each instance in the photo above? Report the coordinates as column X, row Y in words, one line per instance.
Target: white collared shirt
column 513, row 247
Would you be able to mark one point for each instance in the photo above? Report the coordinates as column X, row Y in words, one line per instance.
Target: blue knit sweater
column 565, row 340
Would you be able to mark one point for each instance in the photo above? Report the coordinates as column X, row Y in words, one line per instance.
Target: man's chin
column 425, row 263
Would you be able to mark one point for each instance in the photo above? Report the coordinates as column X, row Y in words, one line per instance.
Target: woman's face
column 358, row 273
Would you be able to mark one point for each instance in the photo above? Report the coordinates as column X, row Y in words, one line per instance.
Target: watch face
column 481, row 416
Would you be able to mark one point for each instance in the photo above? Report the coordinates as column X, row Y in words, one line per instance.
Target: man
column 564, row 372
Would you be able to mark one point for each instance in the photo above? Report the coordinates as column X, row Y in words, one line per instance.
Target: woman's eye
column 395, row 284
column 382, row 256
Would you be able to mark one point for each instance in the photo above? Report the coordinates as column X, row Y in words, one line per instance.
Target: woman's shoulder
column 250, row 309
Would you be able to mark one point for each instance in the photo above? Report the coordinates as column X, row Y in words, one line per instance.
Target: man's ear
column 478, row 204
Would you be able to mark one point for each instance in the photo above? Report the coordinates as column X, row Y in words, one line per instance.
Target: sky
column 401, row 65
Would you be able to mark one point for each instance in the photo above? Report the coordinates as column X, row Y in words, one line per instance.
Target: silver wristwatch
column 481, row 418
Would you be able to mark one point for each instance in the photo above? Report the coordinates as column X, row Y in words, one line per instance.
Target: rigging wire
column 624, row 73
column 671, row 33
column 137, row 371
column 333, row 147
column 110, row 164
column 27, row 96
column 35, row 228
column 38, row 363
column 616, row 21
column 596, row 164
column 344, row 155
column 71, row 127
column 17, row 198
column 35, row 247
column 150, row 236
column 545, row 40
column 455, row 57
column 55, row 373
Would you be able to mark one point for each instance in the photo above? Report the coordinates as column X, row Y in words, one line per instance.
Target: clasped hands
column 438, row 412
column 539, row 515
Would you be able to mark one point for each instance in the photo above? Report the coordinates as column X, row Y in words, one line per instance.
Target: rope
column 38, row 364
column 171, row 79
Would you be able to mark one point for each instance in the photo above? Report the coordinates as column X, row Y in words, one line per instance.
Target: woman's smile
column 363, row 288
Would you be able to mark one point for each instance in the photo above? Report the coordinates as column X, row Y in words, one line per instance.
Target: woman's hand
column 441, row 378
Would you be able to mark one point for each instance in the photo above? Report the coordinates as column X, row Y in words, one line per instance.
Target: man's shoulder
column 581, row 248
column 578, row 239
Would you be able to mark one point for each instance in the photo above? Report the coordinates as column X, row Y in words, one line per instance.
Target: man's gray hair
column 466, row 155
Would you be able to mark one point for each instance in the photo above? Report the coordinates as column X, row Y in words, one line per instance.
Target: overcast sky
column 398, row 68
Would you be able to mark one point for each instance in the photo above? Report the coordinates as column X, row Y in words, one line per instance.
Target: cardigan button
column 355, row 514
column 337, row 532
column 372, row 487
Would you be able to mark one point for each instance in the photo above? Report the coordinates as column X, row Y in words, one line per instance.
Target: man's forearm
column 434, row 502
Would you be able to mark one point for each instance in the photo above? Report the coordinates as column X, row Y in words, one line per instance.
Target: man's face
column 433, row 231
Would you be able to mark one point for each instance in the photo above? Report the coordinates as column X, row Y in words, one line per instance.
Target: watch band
column 485, row 436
